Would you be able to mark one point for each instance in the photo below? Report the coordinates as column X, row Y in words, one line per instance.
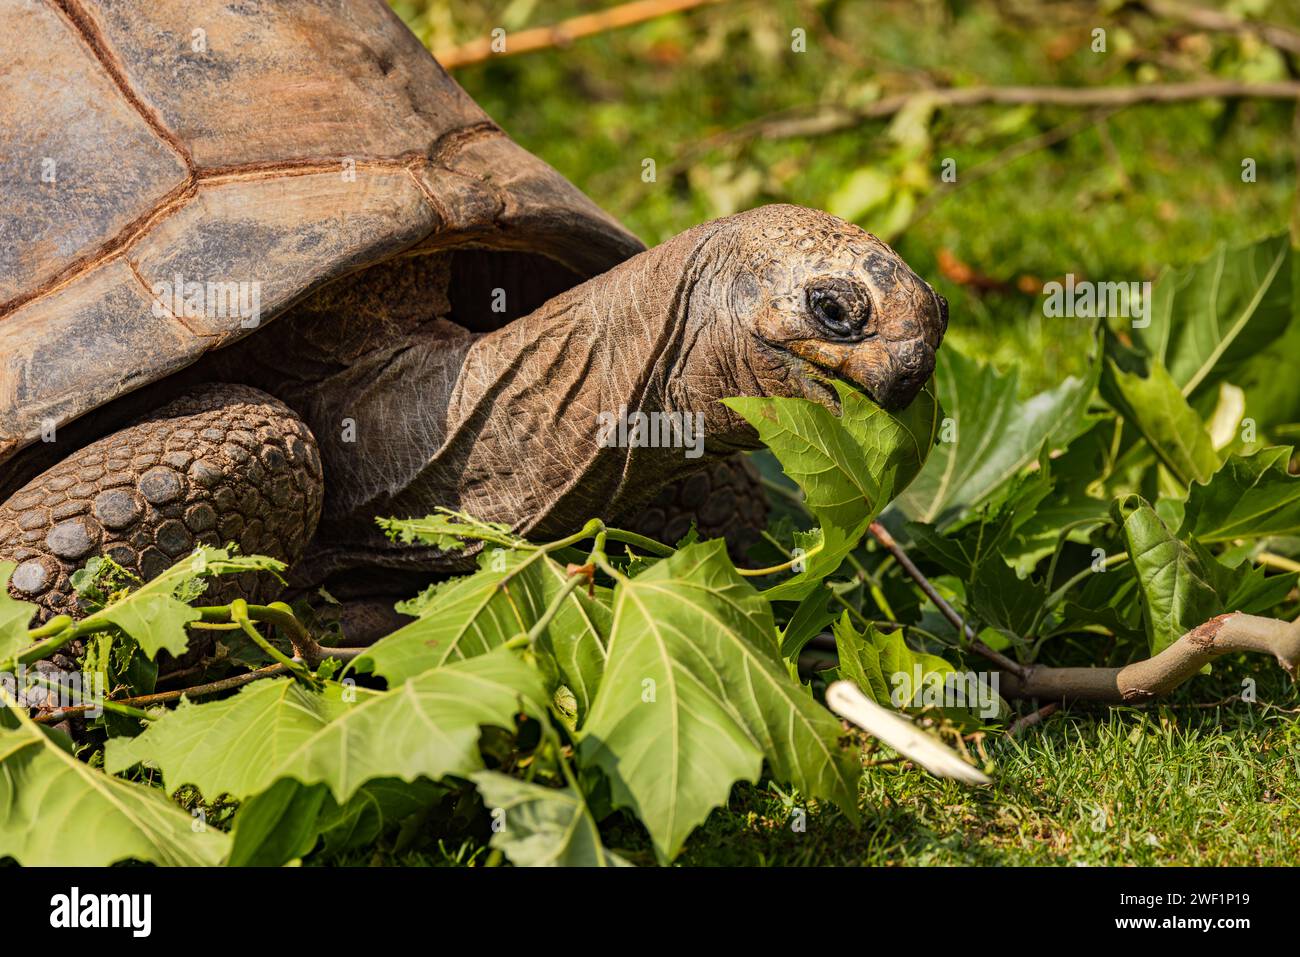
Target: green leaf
column 1068, row 510
column 542, row 827
column 277, row 826
column 1273, row 400
column 462, row 618
column 1158, row 410
column 1208, row 319
column 57, row 810
column 1251, row 590
column 15, row 616
column 1251, row 496
column 289, row 819
column 376, row 808
column 989, row 435
column 573, row 648
column 966, row 550
column 860, row 661
column 156, row 621
column 155, row 617
column 695, row 696
column 887, row 665
column 237, row 745
column 973, row 551
column 811, row 616
column 427, row 726
column 849, row 466
column 448, row 530
column 1179, row 585
column 470, row 616
column 1043, row 504
column 898, row 659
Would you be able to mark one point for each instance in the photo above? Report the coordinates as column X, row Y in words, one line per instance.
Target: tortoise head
column 821, row 298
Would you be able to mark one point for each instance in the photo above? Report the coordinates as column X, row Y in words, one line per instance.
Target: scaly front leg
column 225, row 464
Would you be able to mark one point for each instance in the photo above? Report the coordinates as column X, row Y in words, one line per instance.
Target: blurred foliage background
column 1040, row 191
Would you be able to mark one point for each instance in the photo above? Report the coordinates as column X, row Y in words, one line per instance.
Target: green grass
column 1175, row 784
column 1121, row 788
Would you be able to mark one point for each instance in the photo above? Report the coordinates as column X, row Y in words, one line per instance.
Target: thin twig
column 1280, row 562
column 1033, row 718
column 1205, row 705
column 305, row 647
column 881, row 534
column 565, row 32
column 162, row 697
column 819, row 119
column 1283, row 38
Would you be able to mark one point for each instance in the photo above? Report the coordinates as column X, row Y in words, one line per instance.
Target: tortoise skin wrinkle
column 437, row 317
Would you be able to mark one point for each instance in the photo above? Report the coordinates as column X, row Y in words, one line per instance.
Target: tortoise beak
column 910, row 367
column 890, row 372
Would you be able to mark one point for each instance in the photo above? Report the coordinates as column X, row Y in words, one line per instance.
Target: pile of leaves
column 604, row 678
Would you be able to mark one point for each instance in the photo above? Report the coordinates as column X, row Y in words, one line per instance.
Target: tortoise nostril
column 913, row 362
column 913, row 357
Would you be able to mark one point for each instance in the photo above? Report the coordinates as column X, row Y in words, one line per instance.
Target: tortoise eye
column 838, row 310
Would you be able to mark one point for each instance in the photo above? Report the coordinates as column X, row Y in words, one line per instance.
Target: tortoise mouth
column 856, row 364
column 817, row 376
column 823, row 373
column 889, row 373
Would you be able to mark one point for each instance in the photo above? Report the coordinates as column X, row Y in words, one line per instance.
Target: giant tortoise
column 267, row 272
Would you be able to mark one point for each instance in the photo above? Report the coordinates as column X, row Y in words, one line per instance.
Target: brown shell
column 283, row 143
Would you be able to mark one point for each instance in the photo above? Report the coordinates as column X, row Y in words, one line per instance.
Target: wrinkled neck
column 584, row 408
column 589, row 405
